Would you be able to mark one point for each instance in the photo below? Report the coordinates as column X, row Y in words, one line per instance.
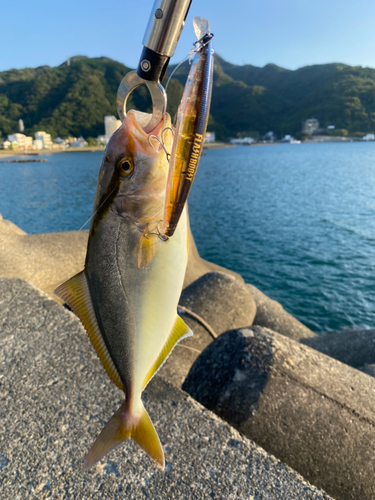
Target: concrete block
column 223, row 302
column 271, row 314
column 309, row 410
column 56, row 397
column 353, row 347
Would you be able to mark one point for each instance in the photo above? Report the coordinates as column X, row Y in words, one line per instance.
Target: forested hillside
column 72, row 100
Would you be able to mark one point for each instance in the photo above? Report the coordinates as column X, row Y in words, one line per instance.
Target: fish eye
column 125, row 165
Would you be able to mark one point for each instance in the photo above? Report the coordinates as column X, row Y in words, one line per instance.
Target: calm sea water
column 297, row 221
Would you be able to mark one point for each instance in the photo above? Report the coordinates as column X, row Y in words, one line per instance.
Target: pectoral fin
column 147, row 249
column 179, row 332
column 76, row 293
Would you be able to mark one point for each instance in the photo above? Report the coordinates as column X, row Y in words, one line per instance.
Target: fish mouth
column 153, row 142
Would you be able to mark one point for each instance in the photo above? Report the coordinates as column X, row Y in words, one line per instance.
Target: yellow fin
column 179, row 331
column 76, row 293
column 122, row 426
column 147, row 249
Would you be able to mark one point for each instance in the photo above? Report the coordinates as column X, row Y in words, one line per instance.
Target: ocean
column 297, row 221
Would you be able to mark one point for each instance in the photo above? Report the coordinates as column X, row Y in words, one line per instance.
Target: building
column 23, row 141
column 5, row 144
column 244, row 141
column 310, row 126
column 79, row 143
column 45, row 138
column 102, row 140
column 269, row 137
column 290, row 139
column 369, row 137
column 38, row 144
column 111, row 124
column 210, row 137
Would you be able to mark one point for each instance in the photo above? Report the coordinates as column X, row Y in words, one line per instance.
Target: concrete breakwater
column 297, row 405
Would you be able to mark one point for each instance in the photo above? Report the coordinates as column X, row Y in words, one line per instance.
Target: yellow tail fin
column 122, row 426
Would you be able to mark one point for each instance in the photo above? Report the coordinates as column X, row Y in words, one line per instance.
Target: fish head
column 133, row 175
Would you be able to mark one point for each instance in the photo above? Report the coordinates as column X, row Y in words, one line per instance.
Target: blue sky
column 290, row 33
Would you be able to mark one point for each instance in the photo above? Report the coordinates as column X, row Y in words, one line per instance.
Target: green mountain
column 73, row 99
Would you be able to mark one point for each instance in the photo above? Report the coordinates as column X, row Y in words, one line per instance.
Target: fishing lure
column 192, row 118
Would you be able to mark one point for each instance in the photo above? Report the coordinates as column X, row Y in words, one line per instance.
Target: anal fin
column 76, row 293
column 179, row 331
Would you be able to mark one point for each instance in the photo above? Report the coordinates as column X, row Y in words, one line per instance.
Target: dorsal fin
column 76, row 293
column 179, row 331
column 147, row 249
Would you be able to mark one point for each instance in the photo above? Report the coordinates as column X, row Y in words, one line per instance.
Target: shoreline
column 4, row 153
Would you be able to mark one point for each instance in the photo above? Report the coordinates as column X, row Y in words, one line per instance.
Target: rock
column 309, row 410
column 55, row 398
column 49, row 259
column 368, row 369
column 46, row 260
column 223, row 302
column 184, row 354
column 271, row 314
column 353, row 347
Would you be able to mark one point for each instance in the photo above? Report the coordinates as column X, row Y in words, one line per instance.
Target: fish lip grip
column 158, row 96
column 163, row 31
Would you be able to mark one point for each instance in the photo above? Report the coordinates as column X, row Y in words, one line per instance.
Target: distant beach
column 14, row 152
column 4, row 153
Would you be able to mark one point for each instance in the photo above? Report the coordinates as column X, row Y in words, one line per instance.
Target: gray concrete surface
column 55, row 398
column 352, row 347
column 46, row 260
column 49, row 259
column 309, row 410
column 271, row 314
column 223, row 302
column 185, row 353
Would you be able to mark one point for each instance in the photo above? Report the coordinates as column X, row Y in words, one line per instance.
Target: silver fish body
column 127, row 294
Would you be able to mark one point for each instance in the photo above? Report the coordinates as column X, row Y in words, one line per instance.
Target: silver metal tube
column 164, row 27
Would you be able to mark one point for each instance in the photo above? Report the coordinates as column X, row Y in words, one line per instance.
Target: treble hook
column 162, row 237
column 160, row 141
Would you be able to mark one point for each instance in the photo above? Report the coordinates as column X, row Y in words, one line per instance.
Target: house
column 244, row 141
column 369, row 137
column 45, row 138
column 22, row 141
column 38, row 144
column 310, row 126
column 210, row 137
column 79, row 143
column 102, row 139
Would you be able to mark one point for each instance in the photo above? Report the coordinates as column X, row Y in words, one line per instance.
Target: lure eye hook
column 202, row 42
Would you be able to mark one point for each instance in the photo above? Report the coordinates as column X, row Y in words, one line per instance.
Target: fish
column 127, row 294
column 192, row 119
